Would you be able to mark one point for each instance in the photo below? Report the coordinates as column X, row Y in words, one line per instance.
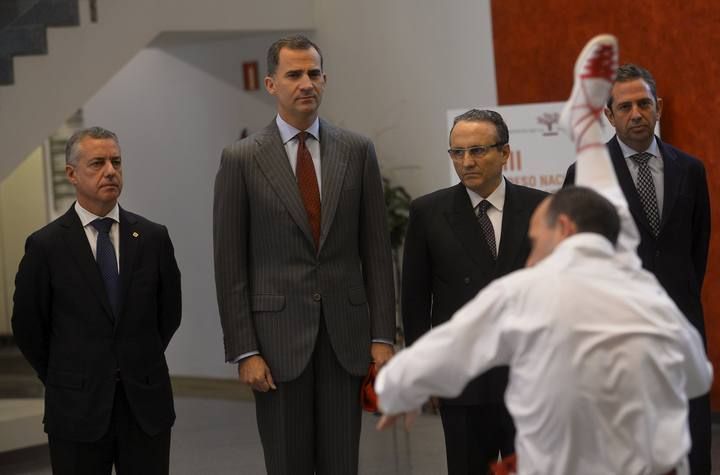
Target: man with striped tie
column 666, row 190
column 460, row 239
column 303, row 270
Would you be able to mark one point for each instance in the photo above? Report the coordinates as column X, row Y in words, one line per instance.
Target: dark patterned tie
column 646, row 189
column 107, row 261
column 308, row 184
column 487, row 226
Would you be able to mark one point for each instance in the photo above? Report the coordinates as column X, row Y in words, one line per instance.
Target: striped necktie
column 487, row 227
column 646, row 189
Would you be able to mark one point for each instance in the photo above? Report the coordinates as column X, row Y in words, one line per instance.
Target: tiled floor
column 216, row 437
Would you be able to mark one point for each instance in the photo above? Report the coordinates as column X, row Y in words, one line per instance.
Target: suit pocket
column 356, row 296
column 267, row 303
column 65, row 379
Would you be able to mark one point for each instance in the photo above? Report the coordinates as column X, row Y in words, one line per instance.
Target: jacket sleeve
column 701, row 227
column 375, row 252
column 417, row 279
column 230, row 240
column 170, row 293
column 32, row 307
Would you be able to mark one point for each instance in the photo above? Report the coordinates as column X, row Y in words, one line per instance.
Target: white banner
column 540, row 153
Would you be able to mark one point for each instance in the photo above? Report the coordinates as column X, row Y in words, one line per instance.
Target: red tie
column 309, row 190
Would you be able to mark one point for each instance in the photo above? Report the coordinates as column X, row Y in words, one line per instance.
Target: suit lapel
column 334, row 155
column 81, row 252
column 463, row 222
column 272, row 159
column 627, row 184
column 673, row 175
column 511, row 241
column 130, row 238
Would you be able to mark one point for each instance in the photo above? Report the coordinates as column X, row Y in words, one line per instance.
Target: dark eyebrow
column 300, row 71
column 114, row 157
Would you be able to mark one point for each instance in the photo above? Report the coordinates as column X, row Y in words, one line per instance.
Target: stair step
column 8, row 13
column 39, row 12
column 52, row 13
column 23, row 40
column 7, row 75
column 11, row 10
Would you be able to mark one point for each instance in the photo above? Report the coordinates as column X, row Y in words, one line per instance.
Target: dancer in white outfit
column 602, row 362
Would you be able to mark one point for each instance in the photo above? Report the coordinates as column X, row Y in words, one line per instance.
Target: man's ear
column 610, row 116
column 70, row 174
column 659, row 107
column 270, row 85
column 505, row 151
column 566, row 226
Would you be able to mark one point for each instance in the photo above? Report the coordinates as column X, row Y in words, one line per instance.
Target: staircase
column 42, row 90
column 23, row 29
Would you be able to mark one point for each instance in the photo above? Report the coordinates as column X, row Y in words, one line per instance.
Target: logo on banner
column 549, row 119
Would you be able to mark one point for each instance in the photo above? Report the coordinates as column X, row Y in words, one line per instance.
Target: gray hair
column 71, row 147
column 502, row 136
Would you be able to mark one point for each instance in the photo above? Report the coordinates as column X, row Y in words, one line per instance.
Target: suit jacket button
column 466, row 280
column 316, row 297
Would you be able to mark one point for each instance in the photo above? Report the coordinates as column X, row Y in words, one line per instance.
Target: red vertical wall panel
column 536, row 43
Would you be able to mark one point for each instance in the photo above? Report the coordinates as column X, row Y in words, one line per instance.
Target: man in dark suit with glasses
column 459, row 239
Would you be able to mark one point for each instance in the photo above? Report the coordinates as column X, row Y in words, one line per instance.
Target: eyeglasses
column 478, row 151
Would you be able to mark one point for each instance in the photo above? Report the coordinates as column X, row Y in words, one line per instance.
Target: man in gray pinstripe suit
column 303, row 270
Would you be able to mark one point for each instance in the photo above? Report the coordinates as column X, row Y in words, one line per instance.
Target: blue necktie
column 107, row 262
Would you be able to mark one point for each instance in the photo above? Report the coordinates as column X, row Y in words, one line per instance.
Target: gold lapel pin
column 135, row 234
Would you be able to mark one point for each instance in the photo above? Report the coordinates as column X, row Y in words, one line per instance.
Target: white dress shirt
column 86, row 217
column 602, row 362
column 495, row 211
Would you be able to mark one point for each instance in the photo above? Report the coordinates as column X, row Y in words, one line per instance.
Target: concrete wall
column 23, row 209
column 394, row 69
column 174, row 107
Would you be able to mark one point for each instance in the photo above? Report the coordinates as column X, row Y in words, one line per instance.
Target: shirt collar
column 585, row 242
column 86, row 217
column 629, row 152
column 496, row 198
column 288, row 132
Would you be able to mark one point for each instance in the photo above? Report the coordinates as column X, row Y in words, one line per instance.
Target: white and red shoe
column 595, row 71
